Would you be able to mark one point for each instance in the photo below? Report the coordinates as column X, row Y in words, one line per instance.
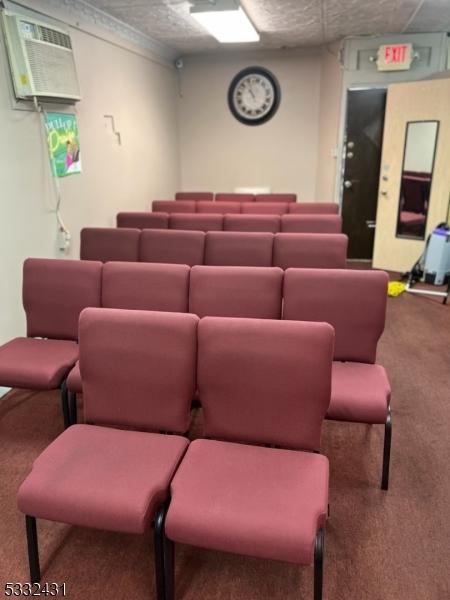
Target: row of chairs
column 255, row 484
column 236, row 197
column 251, row 208
column 352, row 301
column 232, row 222
column 220, row 248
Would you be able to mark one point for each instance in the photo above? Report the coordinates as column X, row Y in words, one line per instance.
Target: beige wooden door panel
column 409, row 102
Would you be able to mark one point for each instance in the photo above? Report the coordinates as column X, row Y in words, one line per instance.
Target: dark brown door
column 364, row 138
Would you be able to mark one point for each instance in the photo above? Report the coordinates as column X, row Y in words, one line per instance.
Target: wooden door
column 364, row 134
column 412, row 200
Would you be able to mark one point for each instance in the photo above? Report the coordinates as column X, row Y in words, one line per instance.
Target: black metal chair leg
column 33, row 551
column 65, row 405
column 387, row 450
column 318, row 564
column 159, row 552
column 73, row 408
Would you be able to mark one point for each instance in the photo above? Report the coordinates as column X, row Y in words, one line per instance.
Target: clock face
column 254, row 96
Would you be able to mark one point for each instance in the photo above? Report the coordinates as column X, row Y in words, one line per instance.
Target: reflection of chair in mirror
column 414, row 196
column 417, row 173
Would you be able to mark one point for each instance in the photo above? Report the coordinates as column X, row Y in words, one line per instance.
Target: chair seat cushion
column 36, row 364
column 74, row 380
column 252, row 500
column 102, row 477
column 360, row 392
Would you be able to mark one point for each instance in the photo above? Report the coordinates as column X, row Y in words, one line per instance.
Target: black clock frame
column 277, row 95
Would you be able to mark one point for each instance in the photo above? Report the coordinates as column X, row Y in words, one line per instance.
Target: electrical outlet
column 63, row 239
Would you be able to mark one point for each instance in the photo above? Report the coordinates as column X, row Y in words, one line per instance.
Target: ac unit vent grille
column 52, row 69
column 54, row 37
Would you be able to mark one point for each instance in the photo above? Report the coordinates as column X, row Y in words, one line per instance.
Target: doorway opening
column 360, row 176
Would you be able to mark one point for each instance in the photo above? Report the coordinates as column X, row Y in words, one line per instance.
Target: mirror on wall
column 417, row 174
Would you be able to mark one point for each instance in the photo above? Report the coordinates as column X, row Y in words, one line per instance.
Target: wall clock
column 254, row 96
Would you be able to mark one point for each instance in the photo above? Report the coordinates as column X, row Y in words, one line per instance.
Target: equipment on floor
column 433, row 266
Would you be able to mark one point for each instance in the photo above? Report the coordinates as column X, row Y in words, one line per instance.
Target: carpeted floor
column 379, row 546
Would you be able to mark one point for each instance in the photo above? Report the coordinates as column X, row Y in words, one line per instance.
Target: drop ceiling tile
column 433, row 16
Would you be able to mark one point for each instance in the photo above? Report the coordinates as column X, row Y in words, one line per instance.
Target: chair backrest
column 235, row 197
column 196, row 222
column 236, row 292
column 109, row 243
column 291, row 198
column 317, row 208
column 234, row 248
column 311, row 223
column 264, row 208
column 352, row 301
column 194, row 196
column 218, row 207
column 145, row 286
column 138, row 368
column 170, row 246
column 264, row 381
column 269, row 223
column 310, row 250
column 55, row 292
column 143, row 220
column 171, row 206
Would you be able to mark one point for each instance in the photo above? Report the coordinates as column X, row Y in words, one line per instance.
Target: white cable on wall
column 63, row 233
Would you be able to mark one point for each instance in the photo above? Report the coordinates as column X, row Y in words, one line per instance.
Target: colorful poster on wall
column 63, row 143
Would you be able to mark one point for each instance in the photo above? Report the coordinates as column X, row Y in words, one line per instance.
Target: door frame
column 355, row 77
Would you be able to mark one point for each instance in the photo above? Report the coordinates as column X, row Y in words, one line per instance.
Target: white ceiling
column 283, row 23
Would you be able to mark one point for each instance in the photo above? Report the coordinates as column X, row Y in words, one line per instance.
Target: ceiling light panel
column 226, row 21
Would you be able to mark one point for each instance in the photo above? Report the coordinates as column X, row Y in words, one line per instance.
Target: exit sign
column 394, row 57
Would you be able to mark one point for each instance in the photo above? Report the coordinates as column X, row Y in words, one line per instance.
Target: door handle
column 347, row 184
column 383, row 193
column 371, row 224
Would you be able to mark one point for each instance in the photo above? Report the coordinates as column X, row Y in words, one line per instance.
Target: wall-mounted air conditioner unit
column 41, row 59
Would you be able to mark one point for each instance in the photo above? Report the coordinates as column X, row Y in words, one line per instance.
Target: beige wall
column 141, row 94
column 329, row 120
column 219, row 153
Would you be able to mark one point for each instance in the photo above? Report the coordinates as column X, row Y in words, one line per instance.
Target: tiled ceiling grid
column 283, row 23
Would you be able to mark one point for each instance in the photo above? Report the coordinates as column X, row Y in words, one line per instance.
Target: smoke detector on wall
column 41, row 59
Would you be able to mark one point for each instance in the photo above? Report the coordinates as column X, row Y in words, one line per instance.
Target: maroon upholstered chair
column 235, row 197
column 114, row 471
column 354, row 303
column 137, row 286
column 238, row 249
column 196, row 222
column 310, row 250
column 311, row 223
column 322, row 208
column 219, row 208
column 170, row 246
column 236, row 292
column 143, row 220
column 264, row 208
column 54, row 294
column 291, row 198
column 109, row 243
column 258, row 223
column 260, row 384
column 145, row 286
column 171, row 206
column 194, row 196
